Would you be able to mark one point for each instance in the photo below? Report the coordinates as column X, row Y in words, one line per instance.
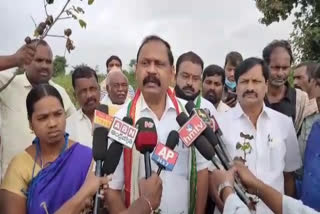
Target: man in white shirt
column 263, row 139
column 117, row 88
column 213, row 80
column 87, row 93
column 155, row 100
column 16, row 133
column 277, row 202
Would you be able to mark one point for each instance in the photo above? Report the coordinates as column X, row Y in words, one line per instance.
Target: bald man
column 117, row 88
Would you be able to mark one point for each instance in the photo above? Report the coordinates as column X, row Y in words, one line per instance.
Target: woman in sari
column 50, row 174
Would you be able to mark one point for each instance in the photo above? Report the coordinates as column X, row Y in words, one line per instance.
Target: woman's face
column 48, row 120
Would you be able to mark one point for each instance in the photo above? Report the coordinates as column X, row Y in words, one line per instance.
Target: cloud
column 210, row 28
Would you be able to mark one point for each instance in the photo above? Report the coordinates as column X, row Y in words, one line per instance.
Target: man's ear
column 108, row 88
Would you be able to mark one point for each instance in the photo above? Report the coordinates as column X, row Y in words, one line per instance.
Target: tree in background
column 59, row 66
column 131, row 73
column 306, row 34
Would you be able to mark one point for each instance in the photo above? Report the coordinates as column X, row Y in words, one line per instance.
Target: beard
column 212, row 97
column 182, row 95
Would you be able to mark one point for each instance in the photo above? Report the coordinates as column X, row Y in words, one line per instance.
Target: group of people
column 270, row 130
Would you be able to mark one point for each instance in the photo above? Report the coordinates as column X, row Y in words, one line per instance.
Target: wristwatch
column 224, row 185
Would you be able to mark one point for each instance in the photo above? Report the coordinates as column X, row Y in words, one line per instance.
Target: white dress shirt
column 222, row 107
column 274, row 145
column 175, row 194
column 16, row 134
column 234, row 205
column 79, row 127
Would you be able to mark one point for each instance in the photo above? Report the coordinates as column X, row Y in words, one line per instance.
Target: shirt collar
column 26, row 82
column 169, row 104
column 81, row 115
column 238, row 112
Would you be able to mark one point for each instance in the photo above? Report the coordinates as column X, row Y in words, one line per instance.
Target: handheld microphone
column 146, row 140
column 101, row 117
column 164, row 156
column 99, row 150
column 114, row 152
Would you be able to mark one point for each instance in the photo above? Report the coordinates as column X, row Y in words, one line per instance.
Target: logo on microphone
column 190, row 131
column 102, row 119
column 122, row 132
column 164, row 156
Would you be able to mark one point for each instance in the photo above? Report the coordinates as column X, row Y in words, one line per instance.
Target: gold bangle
column 149, row 203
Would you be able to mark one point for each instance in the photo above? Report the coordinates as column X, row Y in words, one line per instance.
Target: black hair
column 82, row 71
column 212, row 70
column 267, row 51
column 157, row 38
column 234, row 58
column 37, row 93
column 189, row 56
column 311, row 68
column 113, row 57
column 249, row 63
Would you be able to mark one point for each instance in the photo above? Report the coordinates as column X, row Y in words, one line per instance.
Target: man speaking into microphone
column 154, row 99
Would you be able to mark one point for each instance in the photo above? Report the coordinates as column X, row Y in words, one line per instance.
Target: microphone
column 114, row 152
column 207, row 151
column 102, row 117
column 103, row 108
column 146, row 140
column 164, row 156
column 112, row 158
column 99, row 150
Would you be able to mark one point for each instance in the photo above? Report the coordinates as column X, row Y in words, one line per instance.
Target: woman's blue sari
column 57, row 183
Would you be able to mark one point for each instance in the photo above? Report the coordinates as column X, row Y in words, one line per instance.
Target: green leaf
column 80, row 10
column 82, row 23
column 90, row 2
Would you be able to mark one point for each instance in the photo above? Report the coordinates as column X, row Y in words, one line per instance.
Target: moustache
column 249, row 93
column 90, row 99
column 152, row 79
column 188, row 88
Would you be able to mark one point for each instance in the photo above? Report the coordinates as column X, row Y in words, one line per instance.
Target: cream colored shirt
column 222, row 107
column 79, row 127
column 15, row 131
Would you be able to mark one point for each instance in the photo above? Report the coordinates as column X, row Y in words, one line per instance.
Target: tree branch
column 65, row 18
column 34, row 22
column 45, row 7
column 59, row 36
column 56, row 19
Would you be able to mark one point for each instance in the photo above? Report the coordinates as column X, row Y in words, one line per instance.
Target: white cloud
column 210, row 28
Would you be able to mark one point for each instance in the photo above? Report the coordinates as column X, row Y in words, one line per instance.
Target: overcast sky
column 211, row 28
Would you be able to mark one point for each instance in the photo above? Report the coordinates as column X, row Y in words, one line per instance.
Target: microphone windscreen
column 172, row 140
column 112, row 158
column 182, row 118
column 190, row 106
column 99, row 143
column 147, row 137
column 204, row 147
column 128, row 120
column 103, row 108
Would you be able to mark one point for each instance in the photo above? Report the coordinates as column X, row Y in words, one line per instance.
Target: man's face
column 41, row 68
column 113, row 64
column 188, row 78
column 251, row 87
column 229, row 71
column 118, row 89
column 279, row 67
column 212, row 88
column 301, row 79
column 87, row 93
column 153, row 70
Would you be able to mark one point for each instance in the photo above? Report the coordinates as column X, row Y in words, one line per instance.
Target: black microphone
column 146, row 140
column 99, row 150
column 172, row 141
column 112, row 158
column 206, row 150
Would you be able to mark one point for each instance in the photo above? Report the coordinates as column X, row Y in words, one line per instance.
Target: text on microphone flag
column 164, row 156
column 123, row 133
column 102, row 119
column 191, row 130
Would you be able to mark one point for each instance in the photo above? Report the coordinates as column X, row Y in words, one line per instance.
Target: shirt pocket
column 276, row 147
